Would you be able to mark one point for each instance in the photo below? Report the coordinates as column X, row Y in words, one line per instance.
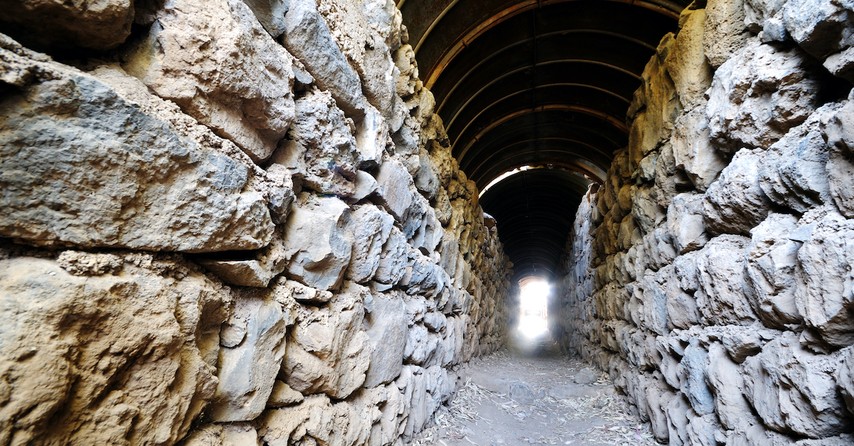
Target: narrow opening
column 532, row 327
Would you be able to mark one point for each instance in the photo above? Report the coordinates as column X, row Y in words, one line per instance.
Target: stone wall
column 711, row 273
column 230, row 222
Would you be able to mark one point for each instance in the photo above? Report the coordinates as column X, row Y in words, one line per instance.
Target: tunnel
column 450, row 222
column 534, row 96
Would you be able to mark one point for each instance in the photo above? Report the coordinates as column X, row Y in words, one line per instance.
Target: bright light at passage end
column 533, row 308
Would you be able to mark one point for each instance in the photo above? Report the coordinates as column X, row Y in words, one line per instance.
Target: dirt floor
column 539, row 397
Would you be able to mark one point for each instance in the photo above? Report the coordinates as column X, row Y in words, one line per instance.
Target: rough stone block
column 735, row 203
column 388, row 326
column 721, row 271
column 772, row 271
column 78, row 162
column 216, row 62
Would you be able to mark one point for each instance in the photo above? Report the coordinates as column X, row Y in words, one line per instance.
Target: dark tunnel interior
column 534, row 95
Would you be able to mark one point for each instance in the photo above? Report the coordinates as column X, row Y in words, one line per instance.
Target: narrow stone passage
column 511, row 398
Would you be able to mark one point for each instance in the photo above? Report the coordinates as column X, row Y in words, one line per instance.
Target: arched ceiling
column 537, row 83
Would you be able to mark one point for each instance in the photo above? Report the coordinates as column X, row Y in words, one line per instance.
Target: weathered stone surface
column 694, row 365
column 60, row 25
column 845, row 377
column 726, row 382
column 371, row 229
column 327, row 350
column 765, row 17
column 236, row 79
column 258, row 272
column 693, row 151
column 758, row 95
column 100, row 194
column 271, row 14
column 840, row 168
column 685, row 222
column 248, row 368
column 793, row 390
column 283, row 395
column 792, row 173
column 735, row 203
column 724, row 31
column 424, row 389
column 387, row 328
column 126, row 356
column 823, row 29
column 315, row 241
column 316, row 421
column 686, row 63
column 242, row 434
column 721, row 273
column 307, row 36
column 321, row 149
column 772, row 271
column 824, row 292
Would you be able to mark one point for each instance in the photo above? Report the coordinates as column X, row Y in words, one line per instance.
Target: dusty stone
column 823, row 29
column 793, row 390
column 58, row 25
column 133, row 353
column 387, row 329
column 328, row 352
column 694, row 365
column 101, row 194
column 845, row 377
column 248, row 370
column 257, row 272
column 241, row 434
column 81, row 263
column 721, row 272
column 291, row 289
column 765, row 17
column 735, row 203
column 772, row 271
column 283, row 395
column 370, row 229
column 316, row 421
column 394, row 259
column 321, row 149
column 758, row 95
column 307, row 36
column 724, row 31
column 316, row 244
column 238, row 81
column 823, row 293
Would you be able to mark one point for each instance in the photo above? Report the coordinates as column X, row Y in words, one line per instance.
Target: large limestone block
column 83, row 166
column 721, row 298
column 63, row 25
column 758, row 95
column 387, row 330
column 396, row 193
column 726, row 381
column 321, row 149
column 424, row 390
column 220, row 66
column 695, row 376
column 253, row 348
column 772, row 270
column 371, row 228
column 127, row 356
column 735, row 203
column 308, row 37
column 794, row 390
column 824, row 292
column 840, row 168
column 316, row 243
column 328, row 351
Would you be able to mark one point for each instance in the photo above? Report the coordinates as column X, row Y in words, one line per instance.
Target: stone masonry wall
column 711, row 274
column 230, row 222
